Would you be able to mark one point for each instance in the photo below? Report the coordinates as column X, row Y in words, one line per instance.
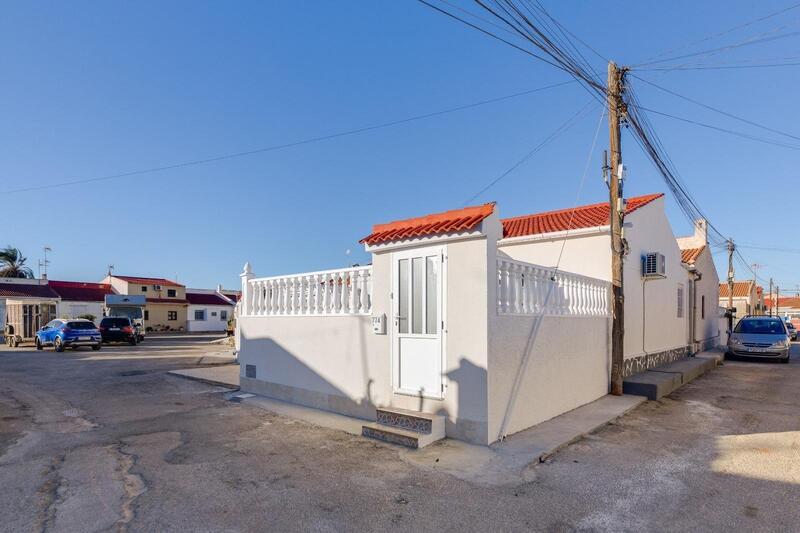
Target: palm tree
column 12, row 264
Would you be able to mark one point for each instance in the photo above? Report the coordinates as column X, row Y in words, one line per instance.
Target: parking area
column 92, row 441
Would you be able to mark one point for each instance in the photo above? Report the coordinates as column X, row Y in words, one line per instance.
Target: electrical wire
column 725, row 32
column 717, row 110
column 571, row 121
column 284, row 145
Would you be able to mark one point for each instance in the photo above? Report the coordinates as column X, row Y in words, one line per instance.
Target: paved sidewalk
column 225, row 375
column 504, row 463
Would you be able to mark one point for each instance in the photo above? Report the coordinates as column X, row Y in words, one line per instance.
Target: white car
column 792, row 330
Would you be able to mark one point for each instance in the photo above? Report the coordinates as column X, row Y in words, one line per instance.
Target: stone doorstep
column 412, row 429
column 657, row 382
column 396, row 435
column 410, row 420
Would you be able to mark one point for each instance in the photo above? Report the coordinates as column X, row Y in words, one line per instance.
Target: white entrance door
column 418, row 296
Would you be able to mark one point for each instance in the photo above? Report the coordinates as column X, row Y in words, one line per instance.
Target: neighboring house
column 746, row 299
column 578, row 240
column 80, row 298
column 786, row 306
column 209, row 310
column 35, row 300
column 703, row 286
column 167, row 305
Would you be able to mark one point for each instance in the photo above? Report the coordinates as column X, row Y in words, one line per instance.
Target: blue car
column 65, row 333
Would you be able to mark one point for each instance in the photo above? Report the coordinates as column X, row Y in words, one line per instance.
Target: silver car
column 792, row 330
column 760, row 336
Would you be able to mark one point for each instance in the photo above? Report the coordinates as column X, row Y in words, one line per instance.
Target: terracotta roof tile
column 741, row 289
column 15, row 290
column 148, row 281
column 456, row 220
column 587, row 216
column 690, row 255
column 81, row 291
column 197, row 298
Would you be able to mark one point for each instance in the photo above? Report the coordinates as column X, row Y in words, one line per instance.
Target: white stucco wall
column 211, row 323
column 73, row 309
column 659, row 328
column 569, row 366
column 587, row 254
column 707, row 328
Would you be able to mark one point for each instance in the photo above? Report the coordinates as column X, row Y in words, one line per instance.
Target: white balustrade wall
column 523, row 288
column 346, row 291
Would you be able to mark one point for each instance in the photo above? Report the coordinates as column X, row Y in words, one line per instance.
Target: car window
column 81, row 324
column 767, row 327
column 115, row 322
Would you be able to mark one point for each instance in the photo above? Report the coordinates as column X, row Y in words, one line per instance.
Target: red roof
column 741, row 289
column 196, row 298
column 81, row 291
column 18, row 290
column 463, row 219
column 149, row 281
column 232, row 296
column 587, row 216
column 690, row 255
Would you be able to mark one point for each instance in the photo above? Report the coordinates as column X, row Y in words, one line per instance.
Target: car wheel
column 59, row 344
column 39, row 344
column 96, row 347
column 785, row 361
column 132, row 342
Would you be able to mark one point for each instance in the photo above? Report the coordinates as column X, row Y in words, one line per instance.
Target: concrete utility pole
column 616, row 111
column 731, row 249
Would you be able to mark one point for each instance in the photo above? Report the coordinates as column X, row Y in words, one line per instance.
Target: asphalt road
column 98, row 441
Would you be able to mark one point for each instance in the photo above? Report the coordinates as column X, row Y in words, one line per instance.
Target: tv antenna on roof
column 43, row 264
column 110, row 269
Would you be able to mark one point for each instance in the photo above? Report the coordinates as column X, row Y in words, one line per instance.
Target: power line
column 284, row 145
column 724, row 130
column 748, row 42
column 725, row 32
column 727, row 114
column 547, row 140
column 717, row 67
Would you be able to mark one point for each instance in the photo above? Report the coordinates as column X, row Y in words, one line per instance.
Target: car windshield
column 115, row 322
column 83, row 324
column 769, row 327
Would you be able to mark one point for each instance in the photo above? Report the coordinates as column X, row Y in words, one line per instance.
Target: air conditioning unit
column 653, row 265
column 156, row 287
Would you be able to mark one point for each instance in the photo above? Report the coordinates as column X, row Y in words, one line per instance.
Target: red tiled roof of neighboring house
column 196, row 298
column 741, row 289
column 690, row 255
column 148, row 281
column 81, row 291
column 20, row 290
column 788, row 302
column 586, row 216
column 177, row 301
column 456, row 220
column 232, row 296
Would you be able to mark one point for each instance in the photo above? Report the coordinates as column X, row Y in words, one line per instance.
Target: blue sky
column 91, row 89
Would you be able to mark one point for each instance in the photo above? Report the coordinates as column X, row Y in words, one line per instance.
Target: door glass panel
column 402, row 296
column 432, row 274
column 417, row 274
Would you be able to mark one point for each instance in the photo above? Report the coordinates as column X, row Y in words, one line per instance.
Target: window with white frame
column 223, row 315
column 200, row 314
column 680, row 300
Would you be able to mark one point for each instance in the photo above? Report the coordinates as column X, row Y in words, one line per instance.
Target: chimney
column 701, row 231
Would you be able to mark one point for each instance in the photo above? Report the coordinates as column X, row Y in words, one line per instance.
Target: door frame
column 422, row 251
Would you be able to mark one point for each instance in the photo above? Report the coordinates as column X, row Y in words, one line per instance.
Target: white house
column 33, row 301
column 578, row 240
column 209, row 309
column 463, row 323
column 79, row 298
column 703, row 283
column 437, row 329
